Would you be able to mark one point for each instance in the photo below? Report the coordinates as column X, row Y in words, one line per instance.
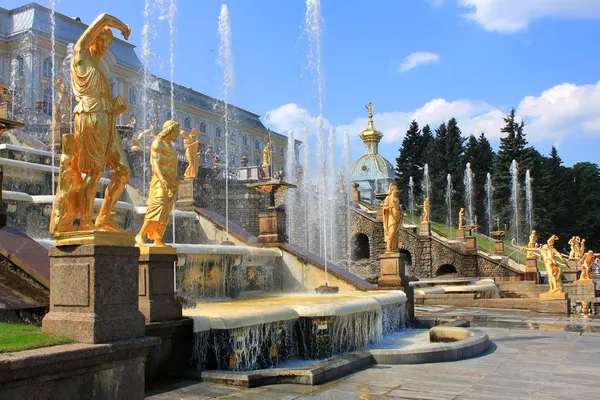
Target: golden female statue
column 532, row 241
column 392, row 219
column 67, row 204
column 267, row 155
column 97, row 138
column 581, row 251
column 163, row 186
column 461, row 216
column 548, row 255
column 191, row 153
column 425, row 216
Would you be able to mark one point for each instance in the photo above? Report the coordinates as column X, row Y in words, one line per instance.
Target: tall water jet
column 225, row 61
column 307, row 193
column 14, row 67
column 66, row 74
column 449, row 199
column 347, row 200
column 411, row 195
column 52, row 83
column 331, row 197
column 425, row 186
column 489, row 192
column 514, row 197
column 528, row 201
column 291, row 196
column 468, row 182
column 146, row 53
column 172, row 12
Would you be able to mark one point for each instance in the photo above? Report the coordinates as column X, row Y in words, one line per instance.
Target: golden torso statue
column 531, row 244
column 163, row 186
column 191, row 153
column 392, row 219
column 267, row 155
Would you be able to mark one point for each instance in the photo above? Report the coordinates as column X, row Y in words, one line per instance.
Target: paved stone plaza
column 533, row 356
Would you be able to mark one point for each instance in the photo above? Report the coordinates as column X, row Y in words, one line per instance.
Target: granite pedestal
column 392, row 272
column 553, row 296
column 156, row 293
column 460, row 234
column 424, row 229
column 471, row 244
column 531, row 270
column 499, row 247
column 271, row 226
column 93, row 295
column 185, row 195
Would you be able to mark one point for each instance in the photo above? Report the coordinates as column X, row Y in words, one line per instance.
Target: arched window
column 47, row 67
column 257, row 145
column 218, row 132
column 47, row 101
column 187, row 123
column 133, row 96
column 20, row 65
column 202, row 127
column 245, row 140
column 360, row 247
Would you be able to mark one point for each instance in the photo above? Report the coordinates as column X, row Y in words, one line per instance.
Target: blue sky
column 478, row 58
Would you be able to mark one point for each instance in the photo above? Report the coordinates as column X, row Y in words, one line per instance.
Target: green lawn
column 17, row 337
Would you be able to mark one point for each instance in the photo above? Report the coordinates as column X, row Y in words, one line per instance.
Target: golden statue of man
column 392, row 219
column 97, row 138
column 581, row 251
column 425, row 216
column 461, row 217
column 267, row 155
column 586, row 265
column 548, row 255
column 191, row 153
column 163, row 186
column 532, row 241
column 574, row 243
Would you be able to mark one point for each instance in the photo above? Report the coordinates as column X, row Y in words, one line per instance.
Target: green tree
column 410, row 159
column 478, row 152
column 585, row 213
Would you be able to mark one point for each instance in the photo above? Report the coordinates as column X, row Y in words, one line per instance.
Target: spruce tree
column 585, row 214
column 479, row 153
column 409, row 158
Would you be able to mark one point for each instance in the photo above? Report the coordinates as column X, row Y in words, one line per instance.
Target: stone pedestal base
column 424, row 229
column 471, row 244
column 271, row 226
column 95, row 238
column 392, row 272
column 499, row 247
column 156, row 292
column 572, row 264
column 185, row 195
column 460, row 234
column 93, row 295
column 553, row 296
column 585, row 282
column 531, row 270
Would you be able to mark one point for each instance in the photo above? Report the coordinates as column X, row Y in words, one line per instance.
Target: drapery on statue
column 163, row 186
column 532, row 241
column 548, row 254
column 586, row 265
column 574, row 242
column 392, row 218
column 461, row 217
column 267, row 155
column 191, row 153
column 97, row 138
column 68, row 191
column 425, row 216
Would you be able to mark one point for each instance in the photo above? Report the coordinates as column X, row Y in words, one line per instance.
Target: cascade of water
column 331, row 195
column 225, row 61
column 529, row 200
column 411, row 195
column 449, row 199
column 489, row 192
column 52, row 82
column 468, row 182
column 172, row 12
column 348, row 199
column 514, row 197
column 425, row 186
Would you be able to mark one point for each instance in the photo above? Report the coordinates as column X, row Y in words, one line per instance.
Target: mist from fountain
column 331, row 209
column 489, row 193
column 514, row 197
column 306, row 195
column 529, row 201
column 66, row 73
column 146, row 53
column 347, row 210
column 52, row 83
column 14, row 66
column 468, row 182
column 411, row 195
column 292, row 197
column 449, row 199
column 425, row 185
column 225, row 61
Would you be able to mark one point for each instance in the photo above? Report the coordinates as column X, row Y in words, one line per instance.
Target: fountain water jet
column 468, row 182
column 146, row 53
column 489, row 192
column 514, row 197
column 172, row 12
column 528, row 201
column 425, row 185
column 348, row 198
column 449, row 199
column 52, row 84
column 411, row 195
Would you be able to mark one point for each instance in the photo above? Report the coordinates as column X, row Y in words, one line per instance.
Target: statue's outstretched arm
column 96, row 27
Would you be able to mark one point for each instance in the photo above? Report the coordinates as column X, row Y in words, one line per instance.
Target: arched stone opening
column 446, row 270
column 407, row 255
column 360, row 247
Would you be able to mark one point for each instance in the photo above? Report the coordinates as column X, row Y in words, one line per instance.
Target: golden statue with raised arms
column 392, row 218
column 163, row 186
column 191, row 153
column 548, row 255
column 425, row 216
column 97, row 139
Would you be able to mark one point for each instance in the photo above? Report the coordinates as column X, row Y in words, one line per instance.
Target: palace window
column 187, row 123
column 257, row 161
column 245, row 140
column 113, row 88
column 257, row 145
column 47, row 101
column 20, row 65
column 282, row 152
column 218, row 132
column 202, row 127
column 47, row 67
column 133, row 96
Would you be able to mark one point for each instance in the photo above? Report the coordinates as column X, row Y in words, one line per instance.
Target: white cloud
column 509, row 16
column 418, row 58
column 563, row 111
column 292, row 116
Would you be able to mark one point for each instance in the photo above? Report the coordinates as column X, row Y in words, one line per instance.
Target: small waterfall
column 411, row 195
column 489, row 192
column 468, row 182
column 53, row 85
column 449, row 199
column 514, row 197
column 172, row 12
column 528, row 201
column 425, row 185
column 225, row 61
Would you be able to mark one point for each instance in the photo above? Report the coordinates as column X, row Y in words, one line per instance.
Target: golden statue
column 67, row 203
column 97, row 139
column 131, row 123
column 191, row 153
column 461, row 216
column 532, row 241
column 551, row 240
column 140, row 141
column 392, row 219
column 267, row 155
column 574, row 243
column 548, row 254
column 370, row 108
column 586, row 265
column 163, row 186
column 425, row 216
column 581, row 252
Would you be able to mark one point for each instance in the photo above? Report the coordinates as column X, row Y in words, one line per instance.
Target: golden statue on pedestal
column 461, row 216
column 586, row 266
column 581, row 252
column 531, row 244
column 425, row 216
column 548, row 254
column 267, row 155
column 191, row 153
column 139, row 140
column 392, row 218
column 97, row 140
column 163, row 186
column 574, row 242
